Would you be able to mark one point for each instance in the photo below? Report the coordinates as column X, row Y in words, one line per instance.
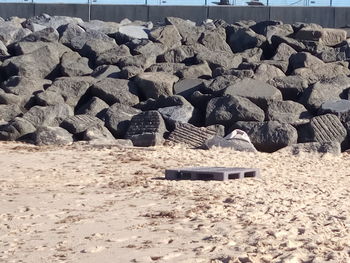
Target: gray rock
column 94, row 107
column 304, row 60
column 161, row 102
column 284, row 52
column 116, row 90
column 265, row 72
column 257, row 91
column 191, row 135
column 118, row 118
column 9, row 112
column 155, row 84
column 69, row 35
column 47, row 34
column 244, row 39
column 112, row 55
column 24, row 86
column 177, row 55
column 53, row 21
column 127, row 33
column 291, row 87
column 48, row 98
column 106, row 71
column 176, row 114
column 328, row 36
column 171, row 68
column 196, row 71
column 279, row 30
column 187, row 29
column 146, row 129
column 101, row 26
column 16, row 129
column 228, row 109
column 11, row 32
column 72, row 64
column 262, row 27
column 48, row 116
column 324, row 128
column 217, row 59
column 129, row 72
column 23, row 48
column 295, row 44
column 79, row 123
column 215, row 40
column 3, row 51
column 100, row 50
column 99, row 134
column 9, row 98
column 323, row 91
column 45, row 59
column 71, row 89
column 340, row 108
column 235, row 144
column 167, row 35
column 220, row 83
column 147, row 48
column 251, row 55
column 187, row 87
column 269, row 136
column 139, row 61
column 287, row 112
column 52, row 136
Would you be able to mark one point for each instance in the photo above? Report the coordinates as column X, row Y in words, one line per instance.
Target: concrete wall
column 325, row 16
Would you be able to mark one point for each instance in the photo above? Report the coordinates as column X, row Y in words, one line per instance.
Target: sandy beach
column 82, row 203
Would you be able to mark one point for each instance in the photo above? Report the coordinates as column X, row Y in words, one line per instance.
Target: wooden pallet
column 211, row 173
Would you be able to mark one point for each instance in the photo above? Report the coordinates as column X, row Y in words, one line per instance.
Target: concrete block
column 24, row 10
column 323, row 16
column 74, row 10
column 211, row 173
column 233, row 14
column 116, row 13
column 193, row 13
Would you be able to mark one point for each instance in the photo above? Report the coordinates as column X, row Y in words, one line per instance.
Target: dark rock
column 324, row 128
column 79, row 123
column 47, row 34
column 340, row 108
column 269, row 136
column 9, row 112
column 147, row 48
column 187, row 87
column 215, row 40
column 187, row 29
column 155, row 84
column 171, row 68
column 262, row 27
column 167, row 35
column 219, row 59
column 48, row 116
column 106, row 71
column 112, row 55
column 295, row 44
column 304, row 60
column 16, row 129
column 265, row 72
column 117, row 119
column 196, row 71
column 176, row 114
column 116, row 90
column 146, row 129
column 291, row 87
column 161, row 102
column 257, row 91
column 228, row 109
column 287, row 112
column 94, row 107
column 251, row 55
column 284, row 52
column 244, row 39
column 200, row 100
column 48, row 98
column 52, row 136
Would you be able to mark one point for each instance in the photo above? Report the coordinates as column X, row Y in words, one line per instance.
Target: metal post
column 206, row 2
column 89, row 3
column 267, row 3
column 331, row 2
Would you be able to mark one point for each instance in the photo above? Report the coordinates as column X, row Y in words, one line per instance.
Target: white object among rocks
column 238, row 134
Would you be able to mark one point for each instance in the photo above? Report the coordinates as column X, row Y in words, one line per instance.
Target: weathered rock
column 215, row 40
column 139, row 61
column 79, row 123
column 107, row 28
column 177, row 55
column 200, row 100
column 23, row 48
column 146, row 129
column 219, row 59
column 196, row 71
column 147, row 48
column 9, row 98
column 323, row 128
column 45, row 59
column 16, row 129
column 340, row 108
column 228, row 109
column 52, row 136
column 116, row 90
column 262, row 27
column 53, row 21
column 251, row 55
column 269, row 136
column 167, row 35
column 72, row 64
column 71, row 89
column 106, row 71
column 280, row 30
column 12, row 32
column 3, row 51
column 99, row 134
column 48, row 116
column 70, row 35
column 265, row 72
column 284, row 52
column 9, row 112
column 287, row 112
column 161, row 102
column 219, row 84
column 323, row 91
column 176, row 114
column 112, row 55
column 94, row 107
column 314, row 147
column 291, row 87
column 328, row 36
column 155, row 84
column 127, row 33
column 257, row 91
column 191, row 135
column 47, row 34
column 23, row 86
column 99, row 50
column 118, row 117
column 171, row 68
column 295, row 44
column 48, row 98
column 187, row 87
column 187, row 29
column 244, row 39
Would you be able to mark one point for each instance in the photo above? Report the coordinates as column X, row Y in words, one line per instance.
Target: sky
column 196, row 2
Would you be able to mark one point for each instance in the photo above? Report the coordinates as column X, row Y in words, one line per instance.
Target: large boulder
column 155, row 84
column 16, row 129
column 328, row 36
column 118, row 117
column 106, row 71
column 11, row 32
column 188, row 30
column 215, row 40
column 72, row 64
column 146, row 129
column 161, row 102
column 287, row 112
column 23, row 48
column 9, row 112
column 257, row 91
column 116, row 90
column 94, row 107
column 217, row 59
column 229, row 109
column 269, row 136
column 47, row 34
column 340, row 108
column 79, row 123
column 48, row 98
column 201, row 70
column 52, row 136
column 52, row 21
column 244, row 39
column 186, row 87
column 283, row 52
column 167, row 35
column 176, row 114
column 112, row 55
column 291, row 87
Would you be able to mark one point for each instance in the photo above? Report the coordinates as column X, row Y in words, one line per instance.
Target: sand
column 82, row 203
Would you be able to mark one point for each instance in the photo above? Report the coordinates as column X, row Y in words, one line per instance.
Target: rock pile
column 63, row 80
